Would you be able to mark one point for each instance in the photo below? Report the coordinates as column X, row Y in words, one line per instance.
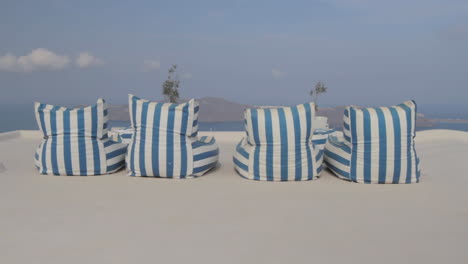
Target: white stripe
column 375, row 145
column 60, row 143
column 162, row 140
column 178, row 113
column 403, row 126
column 100, row 120
column 277, row 148
column 338, row 151
column 360, row 151
column 291, row 144
column 390, row 144
column 262, row 136
column 137, row 141
column 149, row 139
column 74, row 150
column 88, row 142
column 303, row 125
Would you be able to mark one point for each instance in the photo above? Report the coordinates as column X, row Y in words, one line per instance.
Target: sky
column 368, row 52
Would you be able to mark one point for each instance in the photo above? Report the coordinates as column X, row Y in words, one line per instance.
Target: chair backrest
column 88, row 121
column 164, row 117
column 162, row 138
column 280, row 125
column 382, row 142
column 365, row 125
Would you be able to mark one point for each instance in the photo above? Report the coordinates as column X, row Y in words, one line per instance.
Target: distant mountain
column 335, row 117
column 214, row 109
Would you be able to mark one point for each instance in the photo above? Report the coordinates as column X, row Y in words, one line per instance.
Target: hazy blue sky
column 264, row 52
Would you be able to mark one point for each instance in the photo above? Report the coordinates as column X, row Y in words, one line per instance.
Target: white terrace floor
column 223, row 218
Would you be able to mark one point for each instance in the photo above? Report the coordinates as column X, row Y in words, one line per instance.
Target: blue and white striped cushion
column 205, row 155
column 121, row 135
column 378, row 145
column 74, row 141
column 320, row 137
column 164, row 142
column 278, row 145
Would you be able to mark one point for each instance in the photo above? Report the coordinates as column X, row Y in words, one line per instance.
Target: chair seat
column 205, row 155
column 249, row 161
column 85, row 157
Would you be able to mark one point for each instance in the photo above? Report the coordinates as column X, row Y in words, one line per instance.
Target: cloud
column 277, row 74
column 150, row 65
column 38, row 59
column 85, row 60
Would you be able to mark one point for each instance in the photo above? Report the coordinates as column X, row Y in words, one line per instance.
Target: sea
column 15, row 118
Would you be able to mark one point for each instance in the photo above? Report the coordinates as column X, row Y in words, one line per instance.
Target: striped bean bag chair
column 278, row 145
column 165, row 142
column 377, row 147
column 75, row 141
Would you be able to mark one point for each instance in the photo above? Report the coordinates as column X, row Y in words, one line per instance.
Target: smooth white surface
column 223, row 218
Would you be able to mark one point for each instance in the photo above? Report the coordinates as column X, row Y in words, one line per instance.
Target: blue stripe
column 183, row 142
column 108, row 143
column 382, row 145
column 155, row 140
column 334, row 141
column 94, row 123
column 338, row 171
column 319, row 169
column 255, row 126
column 53, row 141
column 240, row 164
column 310, row 174
column 170, row 141
column 116, row 153
column 347, row 138
column 269, row 146
column 67, row 143
column 318, row 142
column 204, row 167
column 408, row 142
column 134, row 108
column 418, row 172
column 241, row 150
column 367, row 146
column 319, row 155
column 355, row 145
column 44, row 147
column 297, row 144
column 198, row 144
column 143, row 127
column 397, row 140
column 256, row 165
column 336, row 157
column 115, row 166
column 81, row 142
column 284, row 144
column 205, row 155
